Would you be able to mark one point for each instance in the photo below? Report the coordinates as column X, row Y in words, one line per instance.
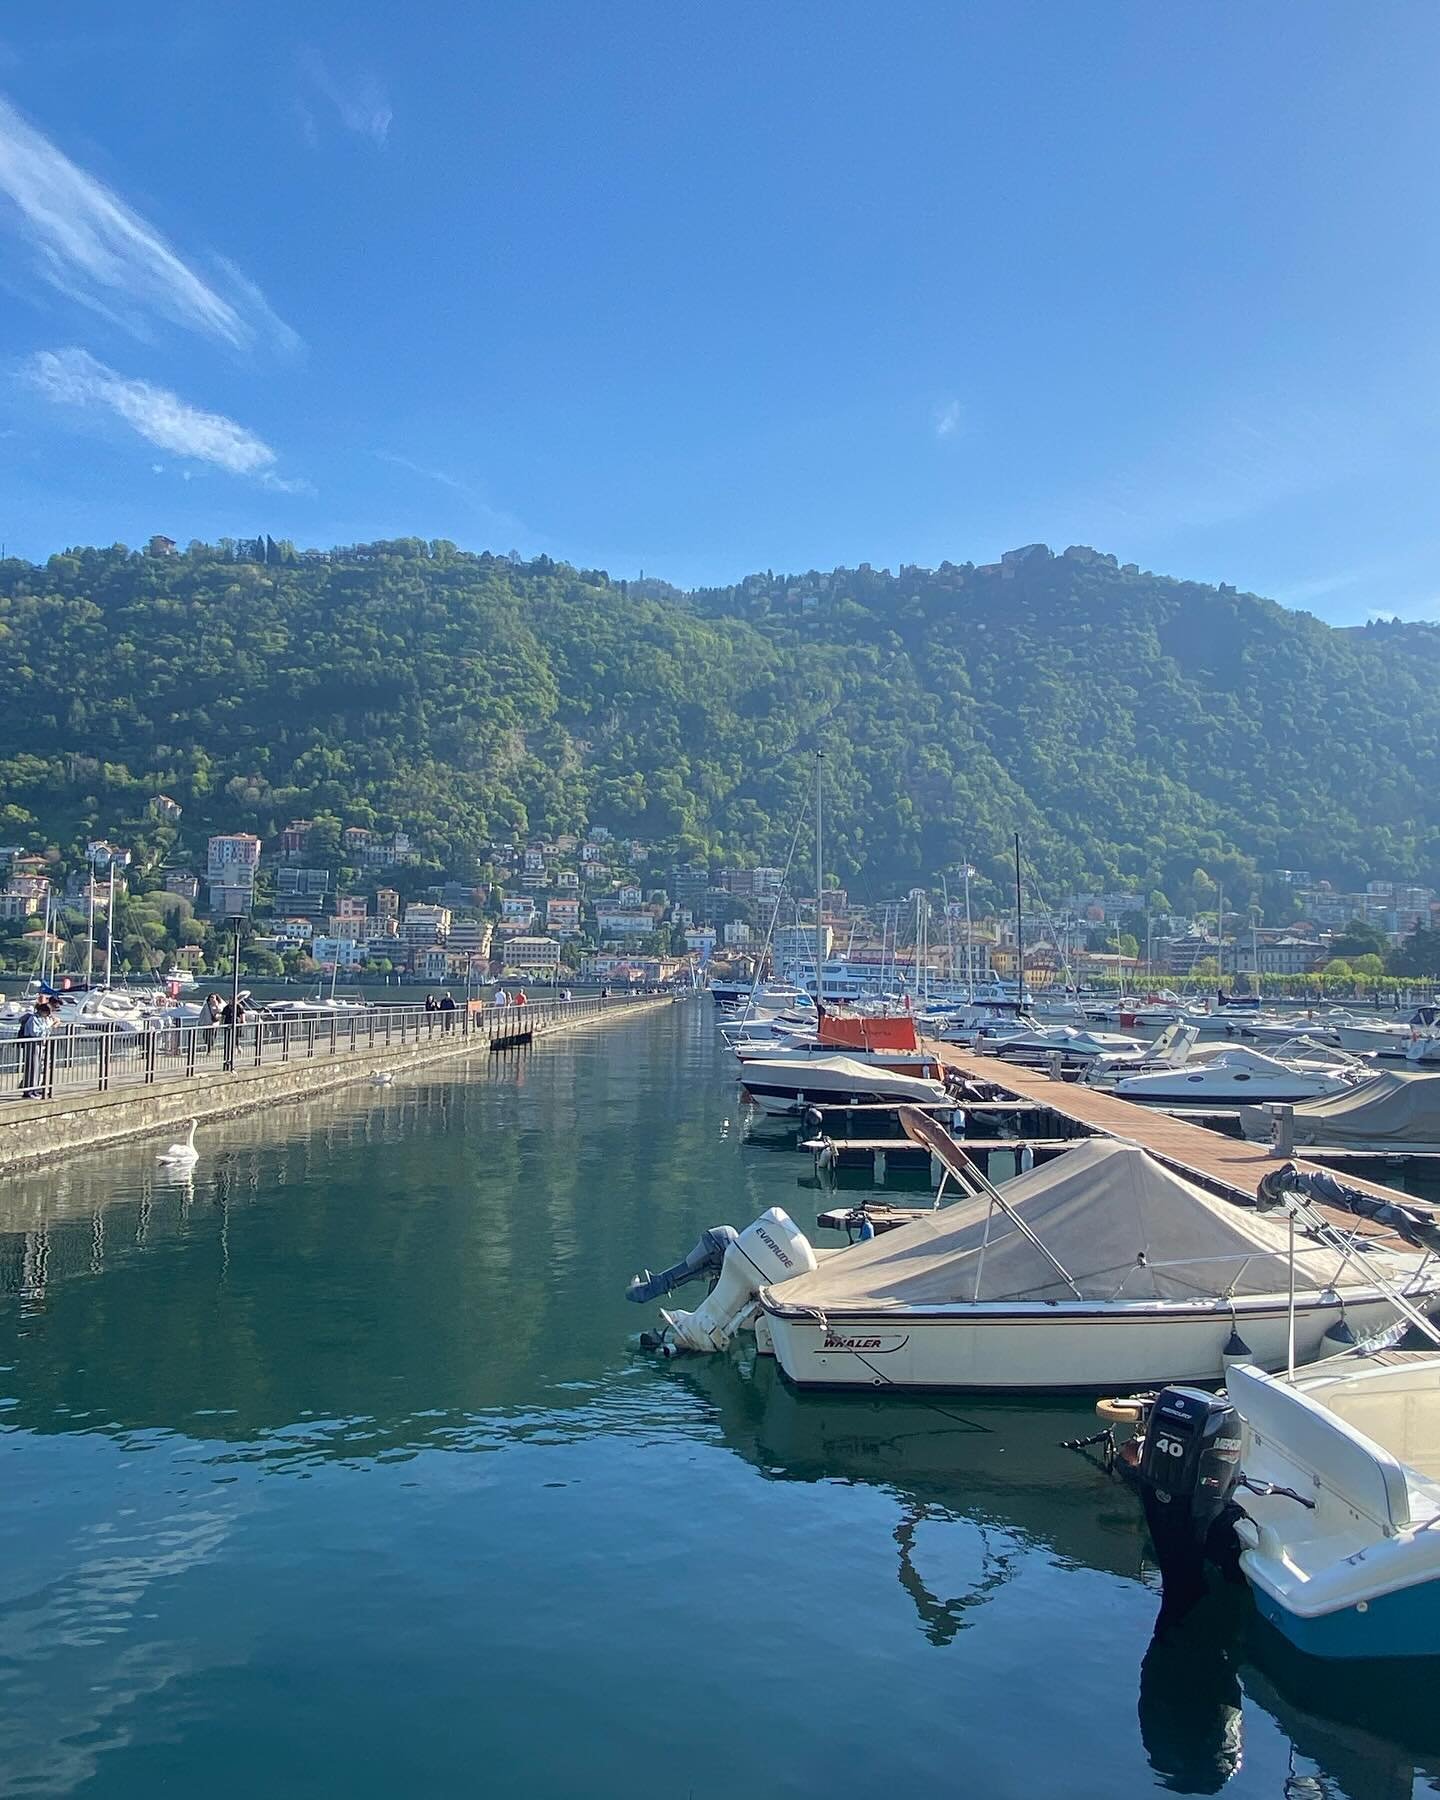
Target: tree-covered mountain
column 1133, row 727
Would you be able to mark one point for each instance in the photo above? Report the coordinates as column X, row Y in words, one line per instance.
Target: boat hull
column 794, row 1097
column 1401, row 1624
column 1043, row 1348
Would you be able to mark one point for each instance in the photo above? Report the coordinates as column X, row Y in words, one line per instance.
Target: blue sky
column 701, row 290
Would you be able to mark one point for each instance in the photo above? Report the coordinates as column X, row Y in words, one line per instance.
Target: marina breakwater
column 101, row 1089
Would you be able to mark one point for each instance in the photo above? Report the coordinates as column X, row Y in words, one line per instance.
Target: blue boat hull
column 1405, row 1623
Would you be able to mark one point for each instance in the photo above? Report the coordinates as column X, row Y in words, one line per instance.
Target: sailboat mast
column 1019, row 932
column 819, row 875
column 90, row 934
column 969, row 952
column 110, row 924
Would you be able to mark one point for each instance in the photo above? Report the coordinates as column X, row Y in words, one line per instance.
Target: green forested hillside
column 1133, row 727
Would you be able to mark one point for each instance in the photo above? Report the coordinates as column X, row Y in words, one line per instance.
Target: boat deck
column 1229, row 1165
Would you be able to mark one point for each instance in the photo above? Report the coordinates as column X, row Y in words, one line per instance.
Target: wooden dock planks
column 1231, row 1163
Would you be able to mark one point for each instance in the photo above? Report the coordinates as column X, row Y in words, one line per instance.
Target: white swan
column 183, row 1154
column 382, row 1077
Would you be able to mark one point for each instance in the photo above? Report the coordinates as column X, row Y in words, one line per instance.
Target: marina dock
column 1230, row 1167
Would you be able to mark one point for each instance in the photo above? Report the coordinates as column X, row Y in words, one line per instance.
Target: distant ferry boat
column 179, row 980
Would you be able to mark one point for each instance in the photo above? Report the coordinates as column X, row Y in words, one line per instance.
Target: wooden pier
column 1231, row 1167
column 882, row 1156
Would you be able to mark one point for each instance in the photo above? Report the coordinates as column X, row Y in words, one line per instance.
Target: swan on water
column 181, row 1153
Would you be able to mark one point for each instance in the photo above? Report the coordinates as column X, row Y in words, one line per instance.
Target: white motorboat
column 1076, row 1048
column 1366, row 1036
column 1357, row 1573
column 757, row 1028
column 178, row 980
column 788, row 1085
column 1100, row 1270
column 1322, row 1486
column 1171, row 1050
column 1236, row 1077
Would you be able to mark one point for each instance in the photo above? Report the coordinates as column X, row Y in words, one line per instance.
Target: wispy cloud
column 75, row 378
column 495, row 518
column 445, row 479
column 360, row 100
column 947, row 418
column 1219, row 468
column 88, row 244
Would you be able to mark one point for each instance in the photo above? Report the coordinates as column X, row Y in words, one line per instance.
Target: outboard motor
column 772, row 1250
column 1189, row 1467
column 705, row 1259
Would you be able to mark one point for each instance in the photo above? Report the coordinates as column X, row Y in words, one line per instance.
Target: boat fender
column 1337, row 1340
column 1121, row 1411
column 866, row 1229
column 1236, row 1351
column 1027, row 1158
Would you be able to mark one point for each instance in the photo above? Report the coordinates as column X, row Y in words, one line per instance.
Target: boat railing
column 78, row 1058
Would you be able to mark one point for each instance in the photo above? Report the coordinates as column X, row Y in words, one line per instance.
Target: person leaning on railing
column 33, row 1027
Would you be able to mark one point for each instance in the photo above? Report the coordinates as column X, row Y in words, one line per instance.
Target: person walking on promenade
column 447, row 1006
column 214, row 1006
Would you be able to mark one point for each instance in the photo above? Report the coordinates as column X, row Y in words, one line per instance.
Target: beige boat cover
column 1393, row 1110
column 1121, row 1224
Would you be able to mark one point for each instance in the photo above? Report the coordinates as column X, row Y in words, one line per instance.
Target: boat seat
column 1402, row 1422
column 1348, row 1464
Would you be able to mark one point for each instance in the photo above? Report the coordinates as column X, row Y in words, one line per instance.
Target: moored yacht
column 786, row 1085
column 1237, row 1077
column 1102, row 1269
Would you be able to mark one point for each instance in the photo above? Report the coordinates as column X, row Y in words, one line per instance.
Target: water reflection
column 1362, row 1730
column 355, row 1409
column 994, row 1471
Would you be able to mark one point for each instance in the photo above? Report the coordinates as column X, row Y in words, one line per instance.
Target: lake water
column 338, row 1471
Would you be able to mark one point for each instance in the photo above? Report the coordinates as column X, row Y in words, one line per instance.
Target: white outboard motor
column 772, row 1250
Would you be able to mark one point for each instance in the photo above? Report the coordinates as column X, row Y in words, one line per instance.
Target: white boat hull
column 1030, row 1346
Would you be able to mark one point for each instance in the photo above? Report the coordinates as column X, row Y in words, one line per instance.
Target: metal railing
column 98, row 1058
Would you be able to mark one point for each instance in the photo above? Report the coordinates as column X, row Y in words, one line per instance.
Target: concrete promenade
column 103, row 1091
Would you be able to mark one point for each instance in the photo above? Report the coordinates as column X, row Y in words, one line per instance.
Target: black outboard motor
column 1189, row 1465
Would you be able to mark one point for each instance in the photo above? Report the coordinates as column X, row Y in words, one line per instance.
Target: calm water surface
column 337, row 1471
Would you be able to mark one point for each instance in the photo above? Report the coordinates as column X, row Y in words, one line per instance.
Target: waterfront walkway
column 100, row 1086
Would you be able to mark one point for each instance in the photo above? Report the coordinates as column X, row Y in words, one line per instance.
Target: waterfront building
column 534, row 955
column 230, row 863
column 469, row 937
column 425, row 925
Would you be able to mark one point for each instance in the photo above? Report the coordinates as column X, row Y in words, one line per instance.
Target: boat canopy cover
column 1123, row 1227
column 863, row 1031
column 1394, row 1107
column 802, row 1071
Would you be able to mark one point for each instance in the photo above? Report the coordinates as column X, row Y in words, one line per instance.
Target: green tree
column 1360, row 939
column 1418, row 956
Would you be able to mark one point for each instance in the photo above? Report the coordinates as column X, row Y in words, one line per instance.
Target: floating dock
column 1230, row 1167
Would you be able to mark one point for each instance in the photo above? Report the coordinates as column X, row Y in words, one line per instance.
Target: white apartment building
column 534, row 955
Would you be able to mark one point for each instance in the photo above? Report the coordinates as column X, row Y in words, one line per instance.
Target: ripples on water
column 335, row 1469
